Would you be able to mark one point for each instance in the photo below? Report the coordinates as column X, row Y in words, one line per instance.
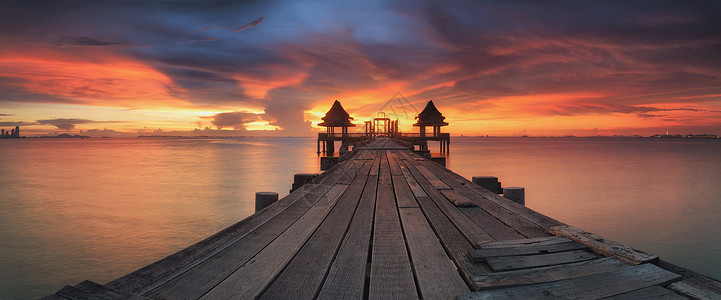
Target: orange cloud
column 117, row 81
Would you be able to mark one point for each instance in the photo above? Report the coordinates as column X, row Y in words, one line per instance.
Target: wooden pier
column 389, row 224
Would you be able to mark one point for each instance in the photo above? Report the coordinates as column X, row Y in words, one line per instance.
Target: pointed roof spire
column 337, row 117
column 430, row 116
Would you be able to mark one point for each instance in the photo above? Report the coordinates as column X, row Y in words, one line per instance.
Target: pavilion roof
column 430, row 116
column 337, row 117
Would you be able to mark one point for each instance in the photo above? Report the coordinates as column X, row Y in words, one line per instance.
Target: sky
column 544, row 68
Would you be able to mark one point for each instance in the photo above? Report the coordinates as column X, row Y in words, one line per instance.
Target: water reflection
column 99, row 208
column 657, row 195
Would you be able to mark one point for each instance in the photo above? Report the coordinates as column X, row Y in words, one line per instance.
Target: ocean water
column 97, row 209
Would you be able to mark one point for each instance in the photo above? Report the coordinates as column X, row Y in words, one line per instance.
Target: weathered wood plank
column 529, row 214
column 497, row 229
column 432, row 178
column 457, row 199
column 546, row 240
column 349, row 172
column 391, row 276
column 455, row 243
column 547, row 274
column 586, row 287
column 480, row 255
column 303, row 276
column 250, row 280
column 510, row 218
column 376, row 163
column 347, row 275
column 603, row 246
column 160, row 272
column 71, row 292
column 507, row 263
column 395, row 169
column 466, row 226
column 650, row 293
column 404, row 195
column 412, row 183
column 698, row 288
column 437, row 275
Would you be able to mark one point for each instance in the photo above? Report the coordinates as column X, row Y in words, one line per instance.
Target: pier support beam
column 490, row 183
column 263, row 199
column 516, row 194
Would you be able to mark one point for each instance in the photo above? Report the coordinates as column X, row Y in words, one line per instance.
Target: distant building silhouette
column 14, row 133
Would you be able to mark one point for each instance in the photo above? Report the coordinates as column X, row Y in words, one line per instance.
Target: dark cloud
column 17, row 123
column 90, row 41
column 236, row 120
column 69, row 124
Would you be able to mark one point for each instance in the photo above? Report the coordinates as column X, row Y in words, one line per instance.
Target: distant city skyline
column 275, row 67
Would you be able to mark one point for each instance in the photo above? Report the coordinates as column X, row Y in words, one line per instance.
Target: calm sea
column 96, row 209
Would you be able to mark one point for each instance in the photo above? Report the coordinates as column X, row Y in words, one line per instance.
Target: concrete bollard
column 327, row 162
column 516, row 194
column 440, row 160
column 490, row 183
column 301, row 179
column 263, row 199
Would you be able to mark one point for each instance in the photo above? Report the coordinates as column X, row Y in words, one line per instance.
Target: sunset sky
column 491, row 67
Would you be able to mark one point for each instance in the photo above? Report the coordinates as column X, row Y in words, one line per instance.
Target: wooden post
column 327, row 162
column 330, row 147
column 516, row 194
column 301, row 179
column 440, row 160
column 263, row 199
column 490, row 183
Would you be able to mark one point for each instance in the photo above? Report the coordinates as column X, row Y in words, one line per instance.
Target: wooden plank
column 376, row 162
column 455, row 243
column 546, row 240
column 507, row 263
column 395, row 169
column 529, row 214
column 432, row 178
column 650, row 293
column 585, row 287
column 347, row 275
column 250, row 280
column 698, row 288
column 304, row 275
column 404, row 195
column 160, row 272
column 491, row 225
column 512, row 219
column 457, row 199
column 480, row 255
column 71, row 292
column 603, row 246
column 350, row 168
column 391, row 276
column 437, row 275
column 466, row 226
column 412, row 183
column 547, row 274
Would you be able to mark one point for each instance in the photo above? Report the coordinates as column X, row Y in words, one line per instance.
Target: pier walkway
column 389, row 224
